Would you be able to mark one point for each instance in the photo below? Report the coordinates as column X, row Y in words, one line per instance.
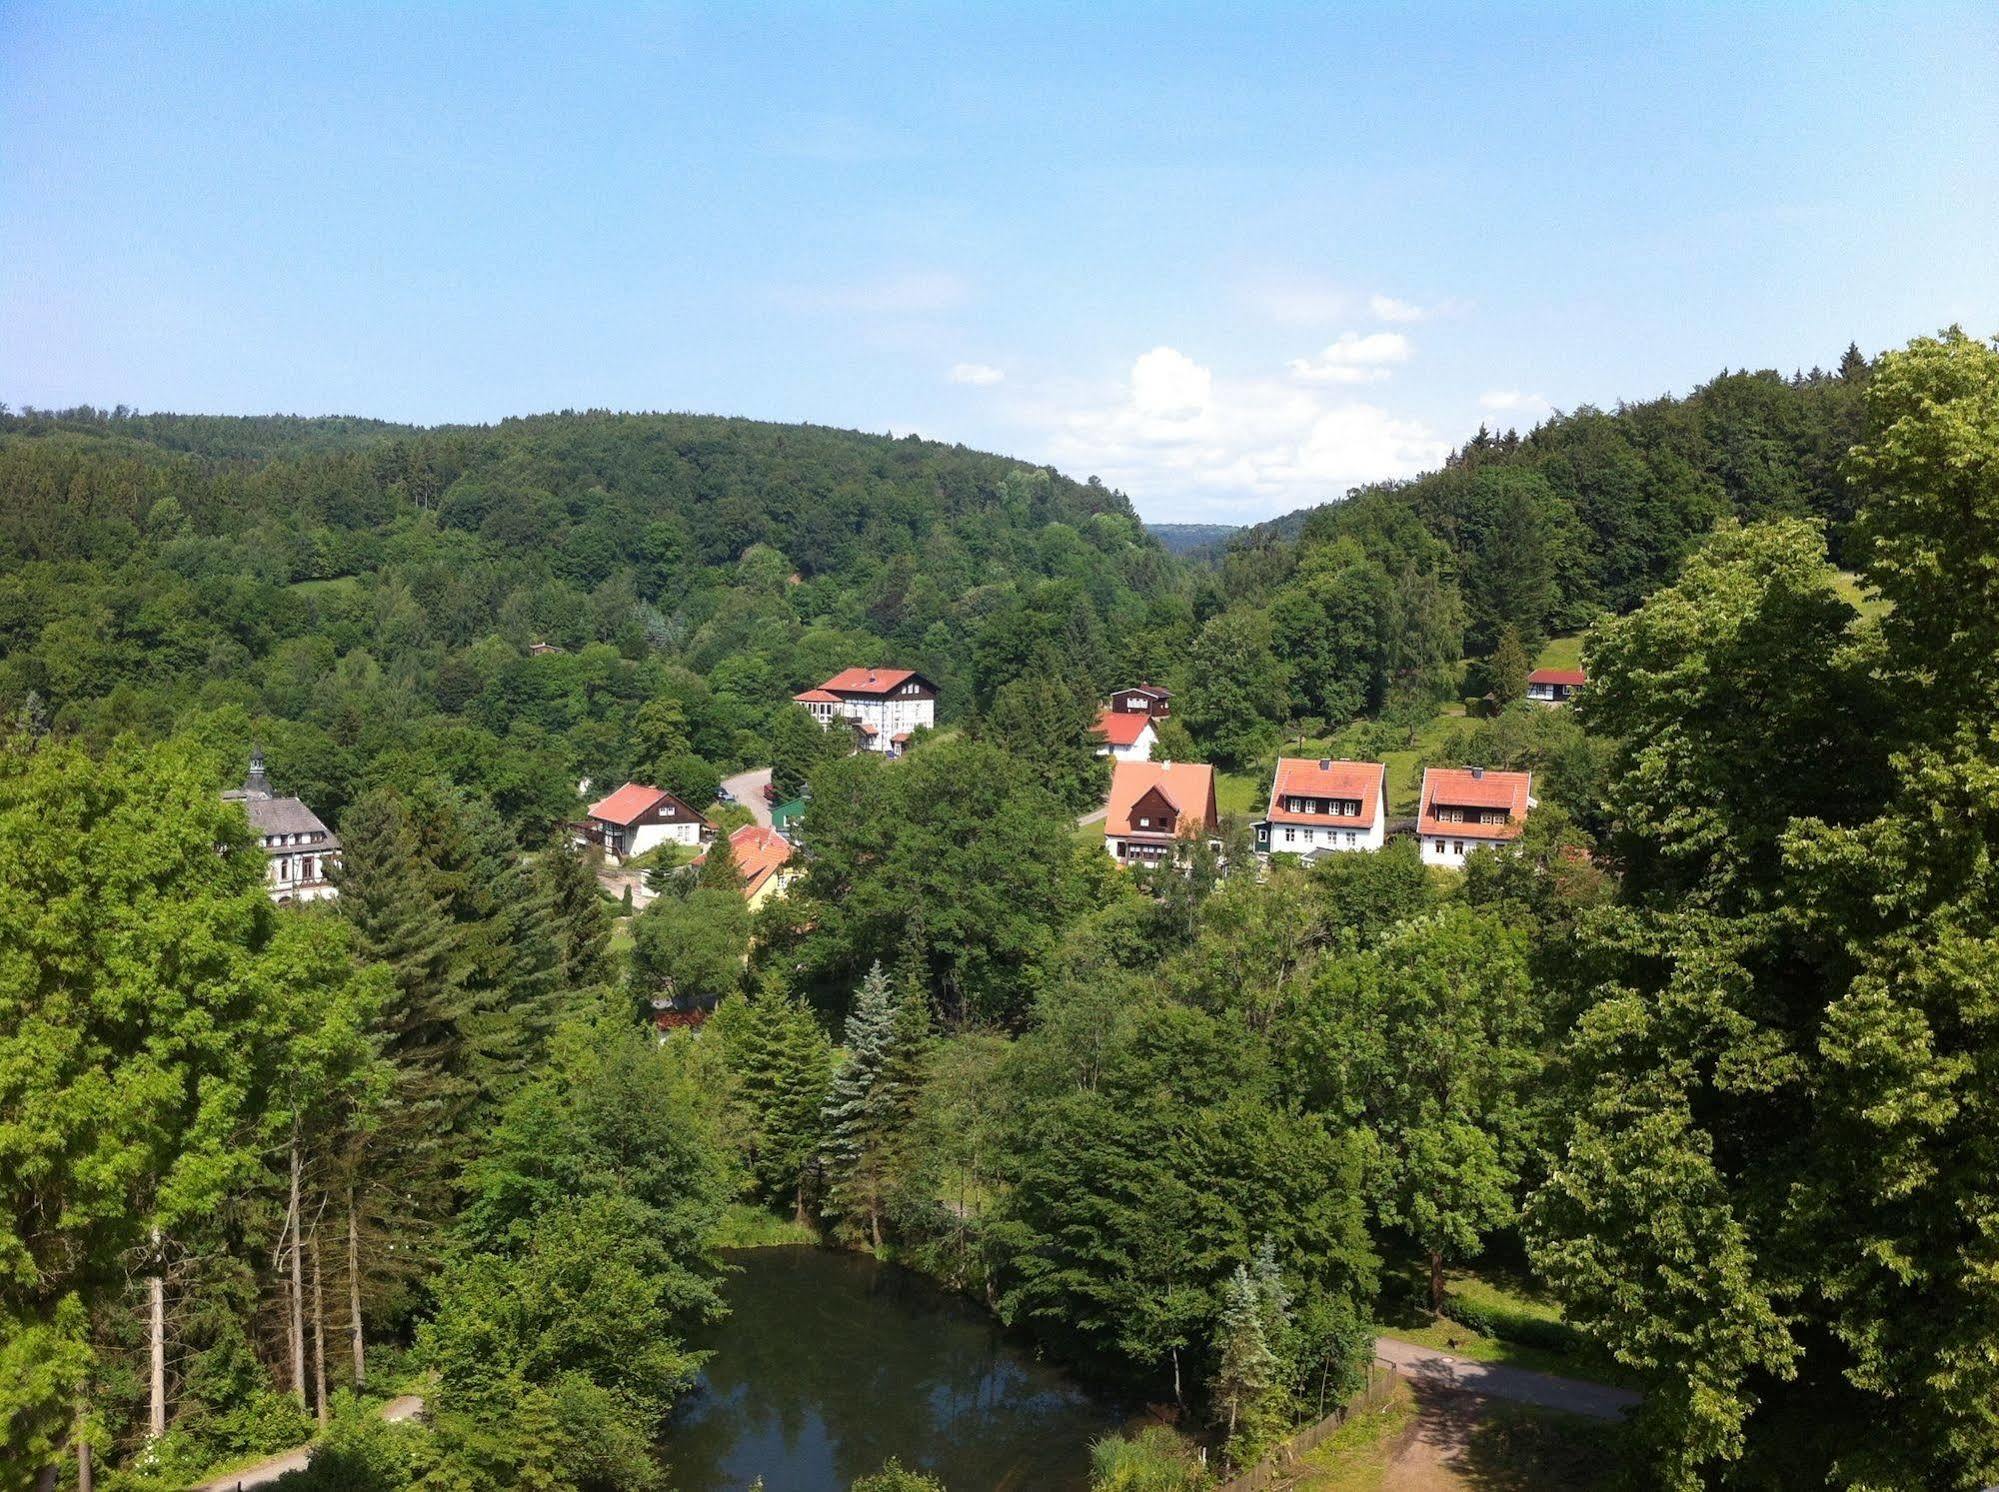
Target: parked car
column 722, row 795
column 771, row 794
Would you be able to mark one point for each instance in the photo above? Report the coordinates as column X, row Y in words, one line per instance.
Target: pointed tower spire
column 256, row 785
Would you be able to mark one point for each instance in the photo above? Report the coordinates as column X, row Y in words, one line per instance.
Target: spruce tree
column 1245, row 1393
column 784, row 1066
column 863, row 1111
column 719, row 871
column 579, row 927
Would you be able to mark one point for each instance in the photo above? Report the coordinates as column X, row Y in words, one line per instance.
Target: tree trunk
column 354, row 1293
column 1436, row 1283
column 1178, row 1397
column 297, row 1303
column 156, row 1291
column 86, row 1469
column 318, row 1335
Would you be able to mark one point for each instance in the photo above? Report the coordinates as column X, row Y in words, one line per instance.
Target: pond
column 830, row 1363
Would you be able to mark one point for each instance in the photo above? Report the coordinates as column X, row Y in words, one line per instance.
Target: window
column 1352, row 839
column 1290, row 836
column 1457, row 847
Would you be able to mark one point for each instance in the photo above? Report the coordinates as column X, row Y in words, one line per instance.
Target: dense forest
column 1708, row 1054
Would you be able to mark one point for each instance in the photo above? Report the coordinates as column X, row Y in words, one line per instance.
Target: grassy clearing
column 1357, row 1455
column 1856, row 593
column 1240, row 792
column 744, row 1226
column 1562, row 652
column 335, row 585
column 1519, row 1324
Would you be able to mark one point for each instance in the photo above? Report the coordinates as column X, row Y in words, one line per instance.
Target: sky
column 1232, row 259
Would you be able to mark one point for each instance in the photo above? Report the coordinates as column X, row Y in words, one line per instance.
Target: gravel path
column 1426, row 1365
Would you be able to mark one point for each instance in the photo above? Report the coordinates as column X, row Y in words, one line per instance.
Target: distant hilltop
column 1187, row 538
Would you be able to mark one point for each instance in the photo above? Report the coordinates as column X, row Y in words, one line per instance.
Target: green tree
column 1045, row 723
column 867, row 1113
column 718, row 870
column 783, row 1069
column 1507, row 668
column 895, row 1477
column 689, row 950
column 1237, row 692
column 578, row 922
column 1245, row 1392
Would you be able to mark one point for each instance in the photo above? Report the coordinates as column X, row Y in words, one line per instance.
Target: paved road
column 1095, row 815
column 747, row 788
column 1523, row 1385
column 409, row 1406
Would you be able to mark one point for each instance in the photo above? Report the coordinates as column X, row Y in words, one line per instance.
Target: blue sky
column 1232, row 259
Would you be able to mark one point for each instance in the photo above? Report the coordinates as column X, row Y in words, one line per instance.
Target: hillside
column 354, row 593
column 1191, row 539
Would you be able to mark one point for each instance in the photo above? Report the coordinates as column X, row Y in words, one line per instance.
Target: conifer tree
column 719, row 871
column 866, row 1110
column 1245, row 1393
column 784, row 1066
column 579, row 927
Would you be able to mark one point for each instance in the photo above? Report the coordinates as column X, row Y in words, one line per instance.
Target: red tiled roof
column 1188, row 786
column 759, row 852
column 868, row 680
column 1303, row 777
column 817, row 697
column 1455, row 787
column 1122, row 727
column 1573, row 677
column 900, row 736
column 626, row 804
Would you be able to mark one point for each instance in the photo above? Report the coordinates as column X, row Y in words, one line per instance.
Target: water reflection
column 831, row 1363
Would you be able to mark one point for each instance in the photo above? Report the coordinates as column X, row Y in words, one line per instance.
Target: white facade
column 645, row 837
column 1449, row 850
column 1335, row 832
column 883, row 711
column 299, row 867
column 1139, row 750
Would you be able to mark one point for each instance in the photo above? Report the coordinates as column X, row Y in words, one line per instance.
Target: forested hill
column 358, row 593
column 1193, row 538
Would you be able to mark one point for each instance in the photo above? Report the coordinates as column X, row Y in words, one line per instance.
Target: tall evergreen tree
column 579, row 923
column 1245, row 1390
column 867, row 1110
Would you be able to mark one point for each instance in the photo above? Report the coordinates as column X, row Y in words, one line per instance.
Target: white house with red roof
column 1144, row 699
column 637, row 818
column 1324, row 807
column 1125, row 735
column 1554, row 686
column 763, row 856
column 882, row 706
column 1159, row 808
column 1469, row 808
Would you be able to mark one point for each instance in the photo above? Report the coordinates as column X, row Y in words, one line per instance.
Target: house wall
column 300, row 874
column 1138, row 751
column 890, row 717
column 644, row 837
column 1439, row 849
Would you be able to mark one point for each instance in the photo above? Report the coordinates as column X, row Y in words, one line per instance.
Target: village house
column 882, row 706
column 637, row 818
column 1324, row 807
column 300, row 853
column 1554, row 686
column 763, row 856
column 1468, row 808
column 1143, row 700
column 1125, row 735
column 1159, row 808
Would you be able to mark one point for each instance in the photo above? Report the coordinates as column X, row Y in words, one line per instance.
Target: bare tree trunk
column 354, row 1292
column 156, row 1291
column 86, row 1469
column 318, row 1333
column 297, row 1323
column 1436, row 1283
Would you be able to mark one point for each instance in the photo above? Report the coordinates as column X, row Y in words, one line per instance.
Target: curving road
column 1426, row 1365
column 409, row 1406
column 747, row 788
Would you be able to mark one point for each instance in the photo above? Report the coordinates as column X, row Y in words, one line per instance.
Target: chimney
column 1478, row 774
column 1325, row 764
column 256, row 785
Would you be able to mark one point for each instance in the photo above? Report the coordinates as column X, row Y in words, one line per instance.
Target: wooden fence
column 1274, row 1470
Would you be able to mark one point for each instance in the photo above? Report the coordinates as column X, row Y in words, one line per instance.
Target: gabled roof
column 1152, row 689
column 626, row 804
column 760, row 853
column 1122, row 727
column 1573, row 677
column 872, row 681
column 817, row 697
column 1188, row 786
column 1305, row 777
column 1467, row 787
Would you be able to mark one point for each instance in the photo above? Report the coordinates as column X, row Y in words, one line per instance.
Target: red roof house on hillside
column 636, row 818
column 1554, row 686
column 762, row 856
column 1320, row 806
column 1127, row 735
column 882, row 706
column 1158, row 808
column 1469, row 808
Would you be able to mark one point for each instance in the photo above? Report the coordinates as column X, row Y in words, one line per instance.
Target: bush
column 1494, row 1319
column 1154, row 1460
column 360, row 1452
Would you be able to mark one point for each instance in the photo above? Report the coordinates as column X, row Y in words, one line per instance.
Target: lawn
column 1357, row 1455
column 1855, row 592
column 336, row 585
column 744, row 1226
column 1523, row 1324
column 1562, row 652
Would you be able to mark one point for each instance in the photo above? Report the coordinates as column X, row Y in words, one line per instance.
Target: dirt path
column 409, row 1406
column 1426, row 1365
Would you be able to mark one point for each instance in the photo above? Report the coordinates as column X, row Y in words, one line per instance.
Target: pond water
column 830, row 1363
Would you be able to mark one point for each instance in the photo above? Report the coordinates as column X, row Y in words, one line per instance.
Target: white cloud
column 1514, row 401
column 979, row 375
column 1354, row 358
column 914, row 292
column 1174, row 434
column 1388, row 308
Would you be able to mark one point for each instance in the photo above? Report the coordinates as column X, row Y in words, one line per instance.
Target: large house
column 1145, row 699
column 882, row 706
column 1159, row 808
column 1468, row 808
column 763, row 856
column 1125, row 735
column 637, row 818
column 300, row 853
column 1324, row 807
column 1554, row 686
